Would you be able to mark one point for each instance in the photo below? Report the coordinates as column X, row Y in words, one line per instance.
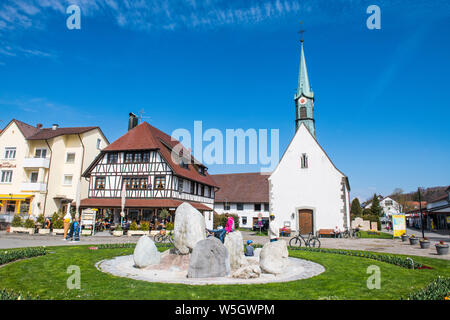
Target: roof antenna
column 141, row 115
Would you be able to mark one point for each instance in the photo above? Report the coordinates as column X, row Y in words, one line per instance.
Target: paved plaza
column 395, row 246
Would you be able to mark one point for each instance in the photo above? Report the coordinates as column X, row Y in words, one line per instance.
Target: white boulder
column 247, row 272
column 189, row 228
column 274, row 257
column 235, row 245
column 146, row 253
column 209, row 259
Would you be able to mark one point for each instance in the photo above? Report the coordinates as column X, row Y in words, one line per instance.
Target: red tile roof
column 242, row 187
column 138, row 203
column 146, row 137
column 34, row 133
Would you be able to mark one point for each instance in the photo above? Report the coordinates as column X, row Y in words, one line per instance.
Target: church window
column 302, row 112
column 304, row 161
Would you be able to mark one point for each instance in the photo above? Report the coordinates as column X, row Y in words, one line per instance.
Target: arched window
column 304, row 161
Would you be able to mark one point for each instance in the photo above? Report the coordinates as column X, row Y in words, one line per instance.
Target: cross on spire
column 301, row 31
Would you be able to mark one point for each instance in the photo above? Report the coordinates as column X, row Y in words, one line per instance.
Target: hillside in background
column 427, row 194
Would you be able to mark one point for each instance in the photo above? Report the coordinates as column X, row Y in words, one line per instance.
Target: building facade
column 243, row 194
column 40, row 167
column 157, row 172
column 388, row 205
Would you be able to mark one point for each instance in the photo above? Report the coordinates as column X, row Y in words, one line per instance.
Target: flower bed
column 398, row 261
column 16, row 254
column 439, row 289
column 129, row 245
column 11, row 295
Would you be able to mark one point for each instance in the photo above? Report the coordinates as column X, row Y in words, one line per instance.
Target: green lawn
column 380, row 235
column 345, row 278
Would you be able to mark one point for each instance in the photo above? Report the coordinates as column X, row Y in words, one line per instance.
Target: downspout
column 82, row 160
column 48, row 176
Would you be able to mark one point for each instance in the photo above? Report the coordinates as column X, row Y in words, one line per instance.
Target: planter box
column 117, row 233
column 404, row 237
column 424, row 244
column 442, row 249
column 58, row 231
column 44, row 231
column 413, row 241
column 137, row 233
column 22, row 230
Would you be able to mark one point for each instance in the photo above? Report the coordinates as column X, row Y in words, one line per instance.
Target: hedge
column 438, row 289
column 16, row 254
column 221, row 220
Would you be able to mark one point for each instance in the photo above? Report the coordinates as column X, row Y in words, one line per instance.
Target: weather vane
column 301, row 31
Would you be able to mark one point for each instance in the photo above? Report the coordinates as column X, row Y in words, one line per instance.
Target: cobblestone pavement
column 377, row 245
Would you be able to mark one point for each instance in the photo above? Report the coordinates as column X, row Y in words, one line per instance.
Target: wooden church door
column 305, row 221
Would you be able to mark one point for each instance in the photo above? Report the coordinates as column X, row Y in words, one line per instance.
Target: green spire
column 303, row 87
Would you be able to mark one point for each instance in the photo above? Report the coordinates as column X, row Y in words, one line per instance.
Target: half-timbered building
column 158, row 173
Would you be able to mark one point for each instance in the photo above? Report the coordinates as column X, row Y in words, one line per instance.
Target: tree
column 356, row 210
column 376, row 208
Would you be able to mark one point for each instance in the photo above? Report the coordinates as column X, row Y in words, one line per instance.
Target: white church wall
column 317, row 187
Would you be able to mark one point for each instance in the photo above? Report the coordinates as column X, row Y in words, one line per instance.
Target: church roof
column 242, row 187
column 303, row 87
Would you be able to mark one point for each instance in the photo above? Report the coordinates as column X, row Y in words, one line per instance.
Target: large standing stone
column 274, row 257
column 247, row 272
column 189, row 228
column 209, row 259
column 235, row 245
column 146, row 253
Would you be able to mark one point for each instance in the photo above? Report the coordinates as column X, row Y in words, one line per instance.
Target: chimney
column 55, row 126
column 133, row 121
column 39, row 126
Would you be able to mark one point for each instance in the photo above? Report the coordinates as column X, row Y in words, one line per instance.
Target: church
column 305, row 192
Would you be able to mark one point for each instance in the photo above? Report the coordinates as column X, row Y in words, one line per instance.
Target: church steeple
column 304, row 97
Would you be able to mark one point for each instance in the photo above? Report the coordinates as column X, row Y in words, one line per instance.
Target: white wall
column 248, row 211
column 318, row 187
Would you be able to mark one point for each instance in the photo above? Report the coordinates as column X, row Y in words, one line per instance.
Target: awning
column 15, row 197
column 138, row 203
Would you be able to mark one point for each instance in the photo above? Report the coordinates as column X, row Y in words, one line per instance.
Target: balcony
column 36, row 163
column 33, row 186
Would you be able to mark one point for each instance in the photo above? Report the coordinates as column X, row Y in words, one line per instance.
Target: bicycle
column 311, row 241
column 352, row 233
column 163, row 237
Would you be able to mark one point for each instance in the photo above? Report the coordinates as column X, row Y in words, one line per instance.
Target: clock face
column 302, row 100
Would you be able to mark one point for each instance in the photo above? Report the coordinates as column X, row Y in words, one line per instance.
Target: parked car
column 264, row 227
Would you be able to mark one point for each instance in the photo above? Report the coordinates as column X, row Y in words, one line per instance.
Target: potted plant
column 118, row 231
column 441, row 248
column 16, row 224
column 58, row 224
column 29, row 226
column 413, row 240
column 404, row 237
column 145, row 226
column 134, row 230
column 424, row 243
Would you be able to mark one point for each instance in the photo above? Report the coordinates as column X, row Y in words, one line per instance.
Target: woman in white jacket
column 274, row 233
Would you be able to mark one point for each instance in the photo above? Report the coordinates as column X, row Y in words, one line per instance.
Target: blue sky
column 382, row 96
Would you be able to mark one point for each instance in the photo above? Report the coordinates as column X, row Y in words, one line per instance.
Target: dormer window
column 304, row 161
column 183, row 164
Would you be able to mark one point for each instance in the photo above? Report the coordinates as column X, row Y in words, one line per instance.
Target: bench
column 329, row 232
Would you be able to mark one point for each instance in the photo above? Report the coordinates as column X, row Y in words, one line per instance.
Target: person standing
column 274, row 233
column 67, row 222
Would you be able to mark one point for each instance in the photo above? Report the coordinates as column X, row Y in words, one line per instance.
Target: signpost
column 398, row 225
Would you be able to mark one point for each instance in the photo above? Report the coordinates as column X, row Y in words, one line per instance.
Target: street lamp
column 421, row 213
